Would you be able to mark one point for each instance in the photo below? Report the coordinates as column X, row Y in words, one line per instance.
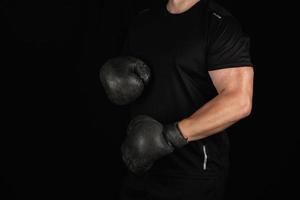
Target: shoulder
column 144, row 11
column 217, row 10
column 221, row 18
column 146, row 15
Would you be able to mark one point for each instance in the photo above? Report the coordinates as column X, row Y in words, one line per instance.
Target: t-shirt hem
column 231, row 65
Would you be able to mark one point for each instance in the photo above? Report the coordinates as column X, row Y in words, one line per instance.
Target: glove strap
column 174, row 135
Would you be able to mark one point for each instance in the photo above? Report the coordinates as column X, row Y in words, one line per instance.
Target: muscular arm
column 233, row 102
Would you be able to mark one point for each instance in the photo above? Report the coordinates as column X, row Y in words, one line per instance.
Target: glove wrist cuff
column 174, row 135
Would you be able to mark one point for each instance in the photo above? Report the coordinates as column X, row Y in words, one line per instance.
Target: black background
column 61, row 136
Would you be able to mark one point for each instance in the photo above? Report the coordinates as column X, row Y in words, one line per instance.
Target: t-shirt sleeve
column 228, row 45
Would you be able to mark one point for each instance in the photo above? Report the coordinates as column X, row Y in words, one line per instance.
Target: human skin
column 234, row 99
column 233, row 103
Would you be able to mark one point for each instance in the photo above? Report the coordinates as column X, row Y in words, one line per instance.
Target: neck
column 178, row 6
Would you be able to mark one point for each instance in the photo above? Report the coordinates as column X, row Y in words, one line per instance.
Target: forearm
column 215, row 116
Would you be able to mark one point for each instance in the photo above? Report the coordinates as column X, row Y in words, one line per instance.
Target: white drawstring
column 205, row 157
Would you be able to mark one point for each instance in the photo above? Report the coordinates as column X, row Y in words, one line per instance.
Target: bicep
column 238, row 79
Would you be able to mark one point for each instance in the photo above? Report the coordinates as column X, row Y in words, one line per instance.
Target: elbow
column 241, row 106
column 244, row 108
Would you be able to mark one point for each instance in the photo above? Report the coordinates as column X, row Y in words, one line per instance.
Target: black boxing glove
column 124, row 79
column 148, row 140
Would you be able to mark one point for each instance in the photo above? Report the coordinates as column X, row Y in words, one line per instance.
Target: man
column 201, row 83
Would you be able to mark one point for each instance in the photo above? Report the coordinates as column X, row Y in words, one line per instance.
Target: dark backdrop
column 61, row 136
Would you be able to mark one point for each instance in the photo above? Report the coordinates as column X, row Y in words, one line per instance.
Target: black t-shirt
column 181, row 49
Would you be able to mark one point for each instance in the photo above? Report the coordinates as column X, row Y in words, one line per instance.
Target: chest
column 178, row 43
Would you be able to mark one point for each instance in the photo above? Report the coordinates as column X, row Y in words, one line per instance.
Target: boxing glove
column 148, row 140
column 124, row 78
